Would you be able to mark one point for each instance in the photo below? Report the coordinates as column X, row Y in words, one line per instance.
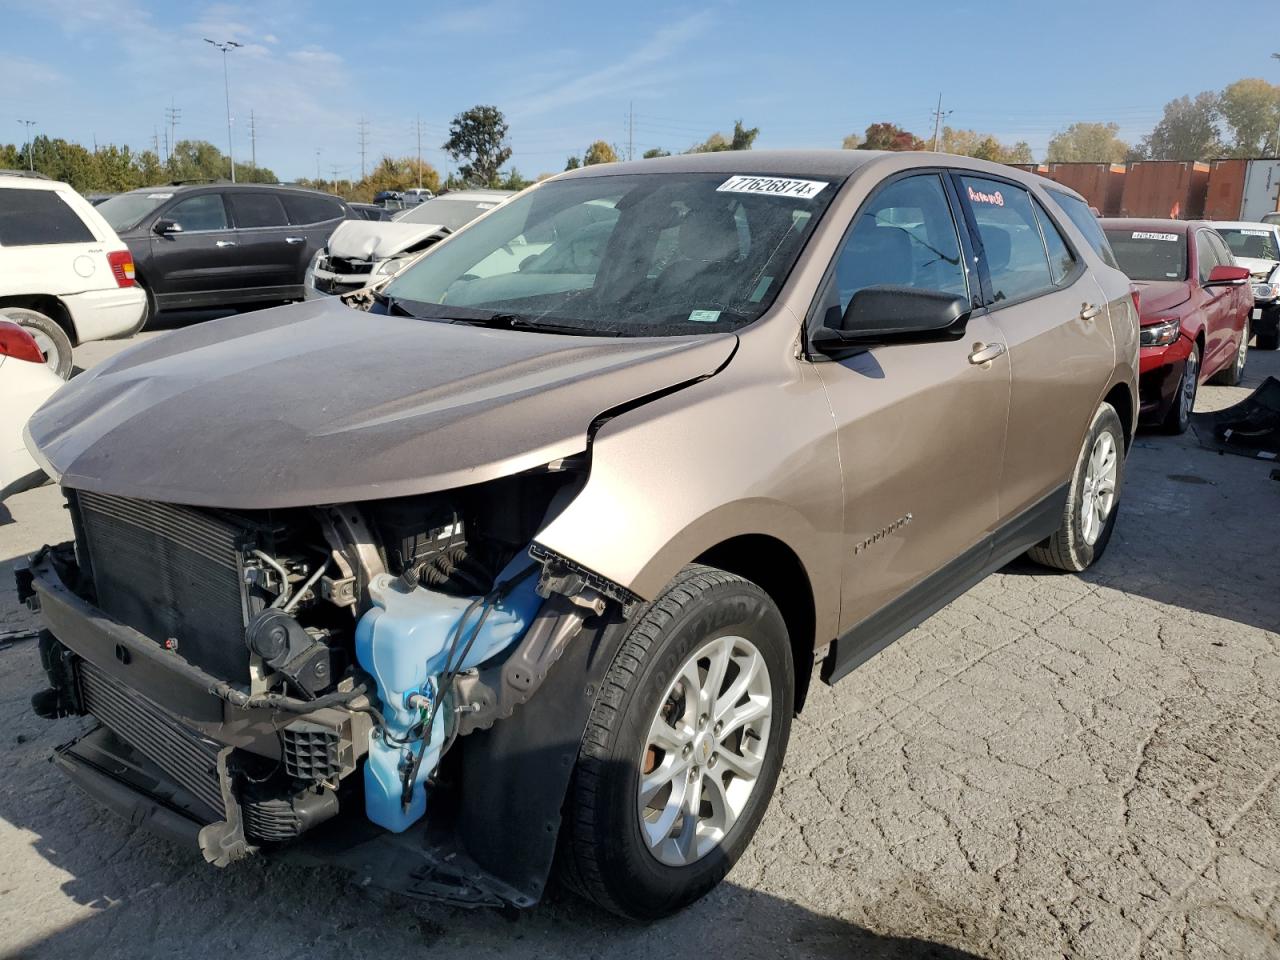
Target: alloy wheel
column 48, row 349
column 1190, row 381
column 1099, row 494
column 705, row 750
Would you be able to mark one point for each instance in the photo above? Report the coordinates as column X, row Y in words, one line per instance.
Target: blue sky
column 565, row 73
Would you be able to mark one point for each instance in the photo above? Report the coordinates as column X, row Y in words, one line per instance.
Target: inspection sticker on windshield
column 1171, row 237
column 704, row 316
column 773, row 186
column 1256, row 233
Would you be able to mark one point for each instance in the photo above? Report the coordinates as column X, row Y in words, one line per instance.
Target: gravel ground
column 1052, row 766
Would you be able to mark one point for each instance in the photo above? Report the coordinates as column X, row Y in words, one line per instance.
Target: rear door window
column 205, row 211
column 257, row 209
column 1017, row 262
column 36, row 217
column 303, row 209
column 904, row 236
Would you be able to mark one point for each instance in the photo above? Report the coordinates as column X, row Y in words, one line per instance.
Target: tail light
column 17, row 343
column 122, row 266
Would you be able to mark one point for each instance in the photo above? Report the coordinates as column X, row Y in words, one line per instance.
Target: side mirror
column 166, row 227
column 882, row 315
column 1226, row 276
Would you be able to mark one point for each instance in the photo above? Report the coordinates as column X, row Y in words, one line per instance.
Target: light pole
column 31, row 153
column 226, row 46
column 1276, row 151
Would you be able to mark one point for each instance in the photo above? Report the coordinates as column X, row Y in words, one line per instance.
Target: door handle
column 226, row 243
column 1089, row 311
column 295, row 239
column 985, row 353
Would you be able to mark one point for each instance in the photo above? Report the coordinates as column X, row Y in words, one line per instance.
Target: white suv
column 64, row 274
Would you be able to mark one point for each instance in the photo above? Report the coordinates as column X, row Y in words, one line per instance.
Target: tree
column 599, row 152
column 653, row 152
column 1088, row 143
column 742, row 140
column 573, row 163
column 851, row 142
column 889, row 136
column 513, row 181
column 479, row 137
column 984, row 146
column 1187, row 131
column 1250, row 109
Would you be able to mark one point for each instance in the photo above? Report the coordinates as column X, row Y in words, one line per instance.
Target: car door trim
column 874, row 633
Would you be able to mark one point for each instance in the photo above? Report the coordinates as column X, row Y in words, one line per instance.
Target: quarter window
column 904, row 236
column 1062, row 261
column 258, row 209
column 1207, row 255
column 303, row 208
column 32, row 217
column 1017, row 261
column 1078, row 212
column 202, row 212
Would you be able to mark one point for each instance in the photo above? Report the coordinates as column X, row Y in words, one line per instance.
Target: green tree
column 478, row 140
column 889, row 136
column 1187, row 131
column 1250, row 110
column 653, row 152
column 742, row 137
column 573, row 163
column 713, row 144
column 514, row 181
column 1088, row 143
column 599, row 152
column 984, row 146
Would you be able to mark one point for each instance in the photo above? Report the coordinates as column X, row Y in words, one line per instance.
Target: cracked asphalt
column 1051, row 766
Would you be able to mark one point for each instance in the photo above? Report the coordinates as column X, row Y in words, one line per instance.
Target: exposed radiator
column 188, row 758
column 170, row 572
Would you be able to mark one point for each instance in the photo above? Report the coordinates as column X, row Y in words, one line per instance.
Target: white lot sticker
column 773, row 186
column 159, row 196
column 1256, row 233
column 1171, row 237
column 704, row 316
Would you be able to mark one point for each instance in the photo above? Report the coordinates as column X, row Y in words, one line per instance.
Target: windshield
column 127, row 210
column 1259, row 244
column 1150, row 254
column 624, row 255
column 451, row 213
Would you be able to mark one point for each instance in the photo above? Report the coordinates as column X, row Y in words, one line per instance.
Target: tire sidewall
column 1176, row 422
column 1084, row 554
column 35, row 320
column 636, row 877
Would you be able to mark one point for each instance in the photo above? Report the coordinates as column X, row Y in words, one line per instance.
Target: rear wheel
column 1184, row 400
column 49, row 337
column 1233, row 373
column 683, row 747
column 1092, row 499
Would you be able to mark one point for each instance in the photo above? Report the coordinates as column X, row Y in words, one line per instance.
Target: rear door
column 196, row 265
column 920, row 426
column 312, row 217
column 1238, row 304
column 1053, row 321
column 267, row 250
column 1219, row 306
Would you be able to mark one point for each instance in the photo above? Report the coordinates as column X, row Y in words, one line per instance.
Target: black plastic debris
column 1250, row 428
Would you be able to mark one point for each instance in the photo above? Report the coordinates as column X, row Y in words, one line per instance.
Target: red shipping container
column 1169, row 189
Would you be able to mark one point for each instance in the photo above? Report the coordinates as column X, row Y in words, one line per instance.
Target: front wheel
column 1178, row 418
column 1092, row 499
column 683, row 747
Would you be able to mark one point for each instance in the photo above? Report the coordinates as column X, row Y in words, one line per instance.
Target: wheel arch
column 1121, row 398
column 50, row 306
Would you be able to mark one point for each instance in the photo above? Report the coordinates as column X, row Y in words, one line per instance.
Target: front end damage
column 396, row 686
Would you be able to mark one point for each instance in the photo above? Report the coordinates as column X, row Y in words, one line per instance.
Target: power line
column 253, row 143
column 31, row 159
column 418, row 127
column 938, row 115
column 363, row 125
column 172, row 115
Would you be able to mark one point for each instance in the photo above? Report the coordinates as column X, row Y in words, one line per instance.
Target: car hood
column 377, row 239
column 1157, row 296
column 1257, row 267
column 316, row 403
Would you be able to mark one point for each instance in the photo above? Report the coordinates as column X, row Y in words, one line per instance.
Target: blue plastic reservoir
column 403, row 642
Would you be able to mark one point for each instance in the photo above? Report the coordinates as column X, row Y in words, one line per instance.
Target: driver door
column 920, row 426
column 195, row 265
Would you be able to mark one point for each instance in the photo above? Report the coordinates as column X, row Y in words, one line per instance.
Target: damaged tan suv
column 530, row 565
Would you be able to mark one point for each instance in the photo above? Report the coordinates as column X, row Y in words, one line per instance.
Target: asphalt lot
column 1052, row 766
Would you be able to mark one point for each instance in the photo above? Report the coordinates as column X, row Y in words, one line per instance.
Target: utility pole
column 334, row 170
column 155, row 140
column 31, row 158
column 938, row 116
column 631, row 130
column 364, row 142
column 172, row 115
column 418, row 127
column 319, row 179
column 226, row 46
column 1276, row 151
column 253, row 144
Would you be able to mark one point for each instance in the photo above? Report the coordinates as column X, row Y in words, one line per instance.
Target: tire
column 1075, row 546
column 1178, row 418
column 607, row 854
column 148, row 314
column 1231, row 375
column 53, row 340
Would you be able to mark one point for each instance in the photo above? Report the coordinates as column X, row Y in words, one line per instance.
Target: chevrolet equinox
column 529, row 565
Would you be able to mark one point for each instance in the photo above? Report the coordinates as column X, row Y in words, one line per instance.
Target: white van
column 64, row 274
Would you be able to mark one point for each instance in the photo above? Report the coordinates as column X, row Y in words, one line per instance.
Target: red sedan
column 1194, row 307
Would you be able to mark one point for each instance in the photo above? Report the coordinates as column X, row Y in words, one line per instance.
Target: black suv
column 223, row 244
